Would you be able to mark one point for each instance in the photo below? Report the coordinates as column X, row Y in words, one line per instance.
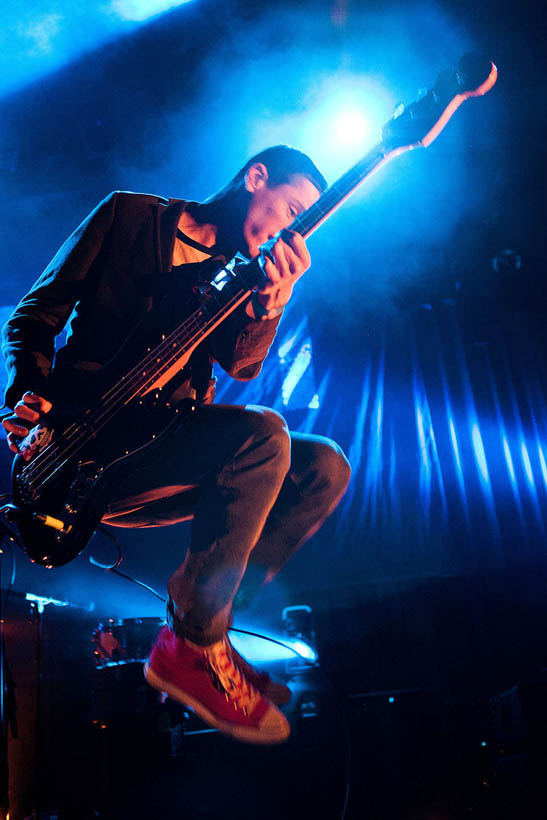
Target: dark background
column 425, row 307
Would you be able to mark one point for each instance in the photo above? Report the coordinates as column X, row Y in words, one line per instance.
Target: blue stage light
column 527, row 463
column 351, row 128
column 41, row 33
column 357, row 450
column 480, row 455
column 422, row 439
column 41, row 601
column 304, row 650
column 42, row 36
column 509, row 461
column 456, row 450
column 287, row 344
column 259, row 650
column 341, row 121
column 542, row 464
column 139, row 10
column 455, row 447
column 297, row 369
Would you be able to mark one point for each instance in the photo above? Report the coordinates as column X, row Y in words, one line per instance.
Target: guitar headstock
column 421, row 122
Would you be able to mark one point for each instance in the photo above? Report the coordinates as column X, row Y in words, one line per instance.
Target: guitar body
column 72, row 501
column 61, row 495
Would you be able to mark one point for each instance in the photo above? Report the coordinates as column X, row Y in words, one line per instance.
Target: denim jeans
column 255, row 493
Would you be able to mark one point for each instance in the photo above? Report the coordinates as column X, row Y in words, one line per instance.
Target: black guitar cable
column 114, row 568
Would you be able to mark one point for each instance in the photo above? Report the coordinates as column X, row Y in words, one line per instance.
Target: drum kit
column 125, row 640
column 127, row 713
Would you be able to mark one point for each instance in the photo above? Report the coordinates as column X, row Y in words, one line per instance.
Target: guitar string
column 77, row 427
column 108, row 410
column 176, row 338
column 168, row 343
column 44, row 460
column 57, row 455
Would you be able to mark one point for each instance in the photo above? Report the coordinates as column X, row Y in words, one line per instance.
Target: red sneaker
column 275, row 691
column 206, row 679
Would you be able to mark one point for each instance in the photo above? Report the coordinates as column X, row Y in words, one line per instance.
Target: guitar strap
column 213, row 251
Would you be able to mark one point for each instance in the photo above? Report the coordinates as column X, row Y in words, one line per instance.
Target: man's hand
column 285, row 259
column 27, row 414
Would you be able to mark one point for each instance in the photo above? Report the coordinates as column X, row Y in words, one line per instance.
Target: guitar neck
column 331, row 199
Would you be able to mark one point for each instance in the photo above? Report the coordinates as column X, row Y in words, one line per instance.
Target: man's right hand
column 27, row 413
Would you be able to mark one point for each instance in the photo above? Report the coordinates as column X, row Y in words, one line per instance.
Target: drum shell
column 124, row 640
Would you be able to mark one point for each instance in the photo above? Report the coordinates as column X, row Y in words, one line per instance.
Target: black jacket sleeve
column 241, row 344
column 28, row 337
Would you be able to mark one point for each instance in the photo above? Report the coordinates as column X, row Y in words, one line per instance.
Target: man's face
column 272, row 209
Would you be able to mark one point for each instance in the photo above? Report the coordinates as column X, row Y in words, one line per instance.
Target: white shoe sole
column 265, row 735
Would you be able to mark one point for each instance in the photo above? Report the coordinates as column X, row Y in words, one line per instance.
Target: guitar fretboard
column 306, row 222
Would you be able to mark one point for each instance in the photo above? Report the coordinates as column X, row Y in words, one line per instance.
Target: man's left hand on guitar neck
column 284, row 259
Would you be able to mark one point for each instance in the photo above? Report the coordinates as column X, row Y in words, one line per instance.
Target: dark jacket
column 104, row 277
